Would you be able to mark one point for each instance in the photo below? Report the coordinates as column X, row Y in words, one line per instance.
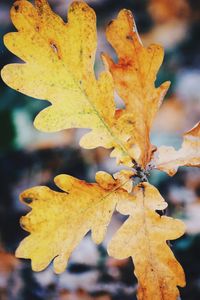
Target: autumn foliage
column 59, row 67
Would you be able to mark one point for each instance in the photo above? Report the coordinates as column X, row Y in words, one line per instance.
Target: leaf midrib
column 118, row 141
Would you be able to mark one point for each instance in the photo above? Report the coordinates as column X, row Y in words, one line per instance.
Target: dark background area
column 29, row 158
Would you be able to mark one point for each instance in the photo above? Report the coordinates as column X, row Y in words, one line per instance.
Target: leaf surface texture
column 134, row 77
column 59, row 67
column 143, row 237
column 59, row 220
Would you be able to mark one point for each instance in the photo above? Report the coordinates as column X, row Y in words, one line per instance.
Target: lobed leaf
column 143, row 237
column 59, row 67
column 168, row 159
column 134, row 77
column 59, row 220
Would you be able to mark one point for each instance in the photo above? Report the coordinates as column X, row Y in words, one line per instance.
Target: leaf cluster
column 59, row 67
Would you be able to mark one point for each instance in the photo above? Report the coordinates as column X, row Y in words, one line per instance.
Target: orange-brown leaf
column 134, row 76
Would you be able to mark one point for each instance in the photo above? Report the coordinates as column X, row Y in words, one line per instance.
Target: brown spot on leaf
column 16, row 7
column 129, row 37
column 131, row 122
column 110, row 22
column 55, row 48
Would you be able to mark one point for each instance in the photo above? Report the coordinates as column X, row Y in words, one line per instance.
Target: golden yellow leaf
column 59, row 220
column 143, row 237
column 59, row 67
column 134, row 77
column 168, row 159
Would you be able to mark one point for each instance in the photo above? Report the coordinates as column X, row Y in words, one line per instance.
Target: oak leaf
column 134, row 77
column 59, row 220
column 59, row 67
column 143, row 237
column 168, row 159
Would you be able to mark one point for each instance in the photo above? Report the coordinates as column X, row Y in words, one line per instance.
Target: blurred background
column 29, row 158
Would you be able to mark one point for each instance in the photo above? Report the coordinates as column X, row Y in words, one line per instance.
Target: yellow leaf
column 59, row 67
column 134, row 77
column 143, row 237
column 168, row 159
column 59, row 220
